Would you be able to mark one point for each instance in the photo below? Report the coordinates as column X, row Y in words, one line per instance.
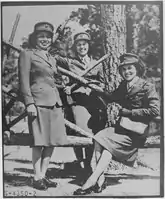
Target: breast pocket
column 137, row 97
column 136, row 101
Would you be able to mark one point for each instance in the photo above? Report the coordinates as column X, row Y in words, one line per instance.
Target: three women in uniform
column 136, row 97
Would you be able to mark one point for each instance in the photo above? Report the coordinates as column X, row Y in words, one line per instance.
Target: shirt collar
column 132, row 82
column 86, row 59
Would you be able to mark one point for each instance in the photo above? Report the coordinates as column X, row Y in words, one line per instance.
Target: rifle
column 90, row 68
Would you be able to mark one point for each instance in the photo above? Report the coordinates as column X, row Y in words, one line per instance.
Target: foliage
column 10, row 71
column 89, row 20
column 144, row 38
column 143, row 23
column 143, row 33
column 10, row 80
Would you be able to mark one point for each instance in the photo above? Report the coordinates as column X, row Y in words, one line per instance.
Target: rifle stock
column 96, row 64
column 80, row 79
column 90, row 68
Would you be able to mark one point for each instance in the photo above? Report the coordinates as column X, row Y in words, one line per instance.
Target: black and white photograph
column 82, row 99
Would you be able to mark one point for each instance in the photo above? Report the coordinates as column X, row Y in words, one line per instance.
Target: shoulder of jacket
column 25, row 54
column 27, row 51
column 148, row 85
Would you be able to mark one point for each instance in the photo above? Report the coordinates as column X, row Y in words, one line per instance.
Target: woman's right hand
column 67, row 90
column 31, row 110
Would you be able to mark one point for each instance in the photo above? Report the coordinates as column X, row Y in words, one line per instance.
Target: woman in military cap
column 37, row 72
column 137, row 101
column 87, row 108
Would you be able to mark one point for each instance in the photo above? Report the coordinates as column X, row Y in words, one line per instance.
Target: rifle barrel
column 80, row 79
column 97, row 63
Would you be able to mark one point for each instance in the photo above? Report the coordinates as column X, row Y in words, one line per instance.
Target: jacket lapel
column 136, row 87
column 50, row 62
column 85, row 65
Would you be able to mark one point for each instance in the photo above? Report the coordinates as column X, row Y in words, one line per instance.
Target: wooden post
column 14, row 29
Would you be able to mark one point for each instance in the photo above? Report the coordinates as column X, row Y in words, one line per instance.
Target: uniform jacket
column 37, row 75
column 142, row 99
column 94, row 74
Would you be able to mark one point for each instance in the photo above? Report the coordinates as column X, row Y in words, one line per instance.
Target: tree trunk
column 113, row 19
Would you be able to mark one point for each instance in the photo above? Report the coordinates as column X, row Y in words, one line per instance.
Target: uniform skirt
column 48, row 128
column 122, row 144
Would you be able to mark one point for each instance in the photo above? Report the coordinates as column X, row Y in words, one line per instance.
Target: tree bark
column 113, row 19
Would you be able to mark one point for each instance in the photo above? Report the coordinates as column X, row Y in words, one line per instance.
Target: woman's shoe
column 49, row 183
column 84, row 191
column 39, row 184
column 99, row 189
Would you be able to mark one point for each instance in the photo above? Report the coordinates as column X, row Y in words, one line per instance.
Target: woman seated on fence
column 37, row 72
column 137, row 101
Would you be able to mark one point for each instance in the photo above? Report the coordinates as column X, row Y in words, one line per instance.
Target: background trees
column 140, row 24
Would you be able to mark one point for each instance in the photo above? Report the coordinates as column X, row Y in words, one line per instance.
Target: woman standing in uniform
column 139, row 102
column 37, row 72
column 87, row 109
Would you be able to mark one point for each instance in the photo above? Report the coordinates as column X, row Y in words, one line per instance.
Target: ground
column 18, row 173
column 121, row 180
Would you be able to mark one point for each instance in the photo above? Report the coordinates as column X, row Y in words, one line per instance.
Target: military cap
column 82, row 36
column 44, row 26
column 129, row 58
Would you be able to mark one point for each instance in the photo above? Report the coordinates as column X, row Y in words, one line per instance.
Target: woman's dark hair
column 32, row 40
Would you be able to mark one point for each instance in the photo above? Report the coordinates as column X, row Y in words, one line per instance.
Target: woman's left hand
column 31, row 110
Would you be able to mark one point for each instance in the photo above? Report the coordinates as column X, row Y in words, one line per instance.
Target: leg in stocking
column 98, row 152
column 46, row 155
column 36, row 160
column 100, row 168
